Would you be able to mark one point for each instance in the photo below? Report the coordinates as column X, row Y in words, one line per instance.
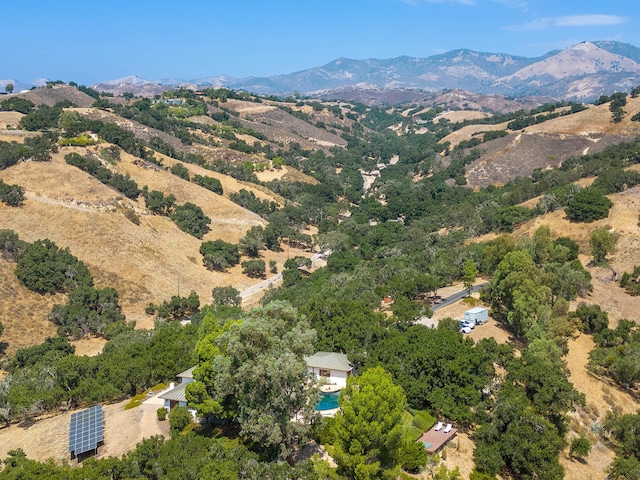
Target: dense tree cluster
column 185, row 457
column 266, row 348
column 588, row 205
column 17, row 104
column 247, row 199
column 177, row 308
column 33, row 148
column 46, row 268
column 191, row 219
column 188, row 217
column 44, row 117
column 617, row 353
column 219, row 255
column 88, row 311
column 524, row 431
column 209, row 183
column 42, row 379
column 532, row 284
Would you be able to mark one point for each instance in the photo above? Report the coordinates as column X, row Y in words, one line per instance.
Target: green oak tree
column 469, row 274
column 254, row 371
column 368, row 429
column 603, row 243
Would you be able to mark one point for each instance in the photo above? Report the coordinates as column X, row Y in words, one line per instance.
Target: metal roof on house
column 175, row 394
column 186, row 374
column 329, row 361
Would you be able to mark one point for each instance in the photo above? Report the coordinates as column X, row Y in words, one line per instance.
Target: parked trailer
column 477, row 316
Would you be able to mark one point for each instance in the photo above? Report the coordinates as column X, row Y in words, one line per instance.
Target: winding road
column 450, row 300
column 265, row 283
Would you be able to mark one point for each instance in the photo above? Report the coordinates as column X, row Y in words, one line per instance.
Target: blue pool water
column 329, row 401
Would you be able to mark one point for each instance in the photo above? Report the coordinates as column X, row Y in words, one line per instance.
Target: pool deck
column 333, row 388
column 434, row 440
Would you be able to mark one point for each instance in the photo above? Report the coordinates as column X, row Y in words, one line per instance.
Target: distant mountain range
column 582, row 72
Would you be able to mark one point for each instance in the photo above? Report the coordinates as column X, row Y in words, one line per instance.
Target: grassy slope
column 144, row 263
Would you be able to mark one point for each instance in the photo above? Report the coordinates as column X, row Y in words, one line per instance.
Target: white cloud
column 588, row 20
column 571, row 21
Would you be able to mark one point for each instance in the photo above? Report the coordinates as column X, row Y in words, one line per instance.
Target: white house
column 175, row 396
column 334, row 368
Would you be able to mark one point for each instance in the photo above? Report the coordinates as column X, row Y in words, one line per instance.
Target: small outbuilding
column 334, row 368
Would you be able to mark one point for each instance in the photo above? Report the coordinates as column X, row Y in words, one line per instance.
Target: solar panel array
column 86, row 430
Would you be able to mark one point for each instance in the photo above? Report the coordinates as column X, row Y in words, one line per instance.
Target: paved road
column 457, row 297
column 265, row 283
column 450, row 300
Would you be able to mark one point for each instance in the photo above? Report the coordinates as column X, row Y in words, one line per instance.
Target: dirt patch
column 520, row 154
column 10, row 119
column 470, row 131
column 57, row 93
column 286, row 122
column 285, row 173
column 459, row 453
column 89, row 346
column 48, row 437
column 455, row 116
column 547, row 144
column 23, row 313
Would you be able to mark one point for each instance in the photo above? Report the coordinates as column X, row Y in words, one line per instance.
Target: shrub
column 631, row 281
column 580, row 447
column 593, row 318
column 162, row 413
column 132, row 216
column 254, row 268
column 12, row 195
column 181, row 171
column 209, row 183
column 191, row 219
column 80, row 141
column 588, row 205
column 179, row 419
column 412, row 456
column 423, row 420
column 226, row 296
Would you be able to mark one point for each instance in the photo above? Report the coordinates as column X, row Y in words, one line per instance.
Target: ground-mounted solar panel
column 86, row 430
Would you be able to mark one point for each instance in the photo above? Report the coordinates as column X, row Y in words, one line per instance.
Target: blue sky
column 92, row 41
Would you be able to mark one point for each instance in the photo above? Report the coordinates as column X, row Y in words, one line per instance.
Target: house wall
column 336, row 377
column 339, row 378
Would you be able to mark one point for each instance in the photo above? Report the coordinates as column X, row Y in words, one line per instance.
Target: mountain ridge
column 581, row 72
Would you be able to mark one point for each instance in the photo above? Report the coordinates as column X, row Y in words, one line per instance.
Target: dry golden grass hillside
column 148, row 262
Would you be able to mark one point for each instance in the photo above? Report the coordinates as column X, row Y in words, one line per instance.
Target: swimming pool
column 329, row 401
